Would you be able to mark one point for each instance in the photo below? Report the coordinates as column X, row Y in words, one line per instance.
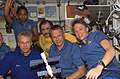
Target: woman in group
column 21, row 22
column 97, row 52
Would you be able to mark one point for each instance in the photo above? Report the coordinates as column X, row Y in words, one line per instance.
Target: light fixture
column 116, row 8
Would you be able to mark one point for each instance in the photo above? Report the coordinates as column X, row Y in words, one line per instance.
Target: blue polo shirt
column 92, row 52
column 19, row 65
column 3, row 50
column 70, row 58
column 18, row 26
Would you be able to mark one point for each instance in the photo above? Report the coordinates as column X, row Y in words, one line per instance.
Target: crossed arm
column 78, row 74
column 35, row 37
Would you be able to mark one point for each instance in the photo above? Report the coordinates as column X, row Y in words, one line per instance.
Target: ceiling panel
column 47, row 1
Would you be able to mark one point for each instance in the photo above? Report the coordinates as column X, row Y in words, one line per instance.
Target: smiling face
column 58, row 37
column 22, row 15
column 24, row 42
column 80, row 31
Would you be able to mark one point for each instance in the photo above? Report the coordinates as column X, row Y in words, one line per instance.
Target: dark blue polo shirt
column 3, row 50
column 70, row 58
column 18, row 26
column 92, row 52
column 19, row 65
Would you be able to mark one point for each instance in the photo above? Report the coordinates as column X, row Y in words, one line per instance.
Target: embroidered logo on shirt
column 89, row 41
column 29, row 26
column 65, row 57
column 17, row 65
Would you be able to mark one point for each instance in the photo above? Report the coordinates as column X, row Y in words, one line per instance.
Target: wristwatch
column 101, row 63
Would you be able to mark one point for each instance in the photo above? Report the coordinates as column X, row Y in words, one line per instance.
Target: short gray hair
column 24, row 33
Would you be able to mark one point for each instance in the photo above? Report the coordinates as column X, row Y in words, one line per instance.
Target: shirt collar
column 19, row 51
column 64, row 46
column 21, row 22
column 3, row 44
